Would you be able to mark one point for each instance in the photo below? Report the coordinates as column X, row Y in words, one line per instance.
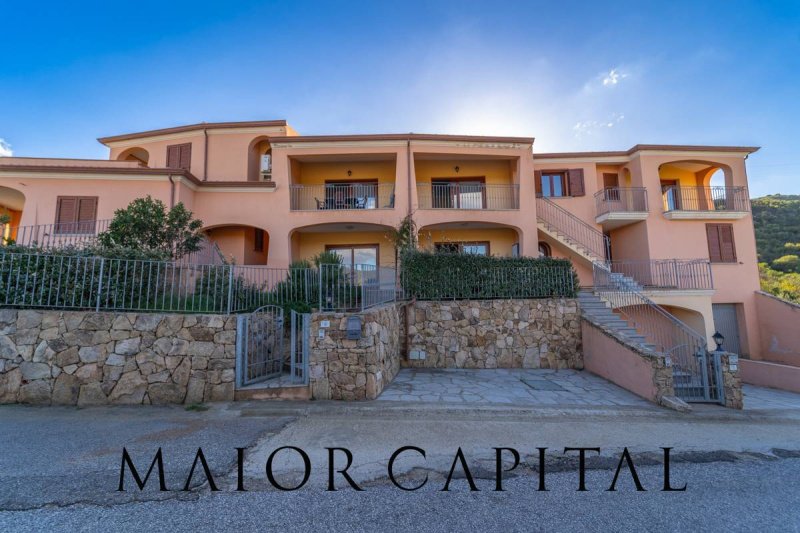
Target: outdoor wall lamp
column 457, row 168
column 349, row 172
column 718, row 340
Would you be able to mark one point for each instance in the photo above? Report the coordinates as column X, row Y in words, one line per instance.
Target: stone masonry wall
column 85, row 358
column 542, row 333
column 342, row 369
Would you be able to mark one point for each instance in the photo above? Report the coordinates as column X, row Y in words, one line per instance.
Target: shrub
column 431, row 276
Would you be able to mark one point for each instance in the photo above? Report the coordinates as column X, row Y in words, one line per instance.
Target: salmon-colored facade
column 269, row 196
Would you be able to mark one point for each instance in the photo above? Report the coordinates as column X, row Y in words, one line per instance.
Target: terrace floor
column 508, row 386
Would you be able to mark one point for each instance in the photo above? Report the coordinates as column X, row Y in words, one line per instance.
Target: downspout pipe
column 408, row 173
column 205, row 154
column 171, row 192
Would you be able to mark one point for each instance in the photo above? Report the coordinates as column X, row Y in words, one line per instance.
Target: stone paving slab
column 507, row 386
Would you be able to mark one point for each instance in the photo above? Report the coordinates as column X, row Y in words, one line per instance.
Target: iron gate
column 267, row 349
column 697, row 376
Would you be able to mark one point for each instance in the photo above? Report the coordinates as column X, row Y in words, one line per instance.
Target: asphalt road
column 59, row 468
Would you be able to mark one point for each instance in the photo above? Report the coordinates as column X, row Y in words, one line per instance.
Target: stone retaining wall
column 542, row 333
column 84, row 358
column 342, row 369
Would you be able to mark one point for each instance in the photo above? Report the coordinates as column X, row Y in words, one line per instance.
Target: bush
column 431, row 276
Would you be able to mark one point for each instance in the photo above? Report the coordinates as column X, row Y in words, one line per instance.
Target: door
column 727, row 323
column 672, row 200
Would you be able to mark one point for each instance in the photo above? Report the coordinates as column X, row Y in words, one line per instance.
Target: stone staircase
column 598, row 311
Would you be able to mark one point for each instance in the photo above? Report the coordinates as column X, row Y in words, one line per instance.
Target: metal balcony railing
column 572, row 229
column 678, row 198
column 470, row 195
column 667, row 274
column 56, row 235
column 342, row 196
column 621, row 200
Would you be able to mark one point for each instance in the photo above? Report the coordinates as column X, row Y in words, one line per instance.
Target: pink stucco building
column 675, row 218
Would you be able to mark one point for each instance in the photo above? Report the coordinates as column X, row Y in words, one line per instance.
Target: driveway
column 535, row 387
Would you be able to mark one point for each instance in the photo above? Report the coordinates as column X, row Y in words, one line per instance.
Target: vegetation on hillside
column 777, row 225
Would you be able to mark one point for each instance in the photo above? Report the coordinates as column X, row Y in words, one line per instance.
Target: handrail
column 569, row 225
column 621, row 200
column 716, row 198
column 667, row 273
column 670, row 336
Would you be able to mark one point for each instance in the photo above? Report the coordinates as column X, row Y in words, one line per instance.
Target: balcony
column 342, row 196
column 617, row 206
column 468, row 195
column 667, row 274
column 705, row 203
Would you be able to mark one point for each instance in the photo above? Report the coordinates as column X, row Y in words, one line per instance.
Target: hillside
column 777, row 225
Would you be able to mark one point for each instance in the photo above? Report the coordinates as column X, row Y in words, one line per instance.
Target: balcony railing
column 621, row 200
column 467, row 196
column 342, row 196
column 667, row 274
column 57, row 235
column 677, row 198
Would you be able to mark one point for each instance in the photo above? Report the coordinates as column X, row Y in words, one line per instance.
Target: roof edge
column 652, row 147
column 401, row 137
column 192, row 127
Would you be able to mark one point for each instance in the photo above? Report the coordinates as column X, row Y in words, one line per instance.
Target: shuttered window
column 559, row 183
column 76, row 214
column 179, row 156
column 721, row 248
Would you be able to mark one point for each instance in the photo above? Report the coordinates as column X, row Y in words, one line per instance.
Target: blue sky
column 576, row 75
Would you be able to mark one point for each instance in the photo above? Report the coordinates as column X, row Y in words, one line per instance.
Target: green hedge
column 445, row 276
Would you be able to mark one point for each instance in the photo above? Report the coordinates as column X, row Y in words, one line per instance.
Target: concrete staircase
column 577, row 235
column 598, row 311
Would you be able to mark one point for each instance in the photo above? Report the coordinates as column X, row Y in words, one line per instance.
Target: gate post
column 241, row 349
column 293, row 346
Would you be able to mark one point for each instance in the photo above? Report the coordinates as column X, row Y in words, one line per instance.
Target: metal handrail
column 456, row 195
column 667, row 273
column 621, row 200
column 717, row 198
column 562, row 221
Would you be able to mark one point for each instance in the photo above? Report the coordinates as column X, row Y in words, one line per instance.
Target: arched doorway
column 12, row 202
column 241, row 244
column 137, row 154
column 700, row 186
column 480, row 238
column 259, row 160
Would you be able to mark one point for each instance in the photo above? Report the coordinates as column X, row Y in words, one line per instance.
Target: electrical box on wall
column 353, row 328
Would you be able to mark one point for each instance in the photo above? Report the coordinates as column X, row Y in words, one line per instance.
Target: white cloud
column 590, row 127
column 613, row 77
column 5, row 149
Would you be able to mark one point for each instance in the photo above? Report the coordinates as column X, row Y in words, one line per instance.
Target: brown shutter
column 714, row 250
column 727, row 247
column 173, row 156
column 66, row 210
column 186, row 156
column 87, row 214
column 537, row 178
column 575, row 179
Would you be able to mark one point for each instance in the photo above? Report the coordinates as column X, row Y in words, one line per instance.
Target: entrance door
column 671, row 194
column 725, row 321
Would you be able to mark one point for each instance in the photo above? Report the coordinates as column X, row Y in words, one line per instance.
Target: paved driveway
column 507, row 386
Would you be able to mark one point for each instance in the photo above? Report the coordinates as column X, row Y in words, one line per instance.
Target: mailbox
column 353, row 328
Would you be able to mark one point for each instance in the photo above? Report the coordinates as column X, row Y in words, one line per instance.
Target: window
column 559, row 183
column 471, row 248
column 76, row 214
column 179, row 156
column 358, row 255
column 544, row 249
column 258, row 240
column 721, row 248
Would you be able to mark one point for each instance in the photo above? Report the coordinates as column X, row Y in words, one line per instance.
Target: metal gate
column 697, row 377
column 266, row 350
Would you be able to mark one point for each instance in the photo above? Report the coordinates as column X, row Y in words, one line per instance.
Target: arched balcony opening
column 139, row 155
column 701, row 187
column 479, row 238
column 241, row 244
column 259, row 160
column 12, row 202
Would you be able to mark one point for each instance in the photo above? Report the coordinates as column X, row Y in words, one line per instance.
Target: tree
column 787, row 263
column 147, row 225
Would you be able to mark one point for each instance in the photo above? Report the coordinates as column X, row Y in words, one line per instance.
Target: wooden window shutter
column 537, row 178
column 727, row 247
column 173, row 156
column 714, row 250
column 186, row 156
column 575, row 179
column 66, row 209
column 86, row 214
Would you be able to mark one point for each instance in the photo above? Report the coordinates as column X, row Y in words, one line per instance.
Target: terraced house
column 670, row 222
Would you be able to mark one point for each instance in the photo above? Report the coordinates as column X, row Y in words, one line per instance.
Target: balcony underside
column 618, row 219
column 704, row 215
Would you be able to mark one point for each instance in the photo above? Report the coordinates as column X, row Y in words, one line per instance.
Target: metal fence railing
column 49, row 236
column 342, row 196
column 500, row 282
column 575, row 230
column 468, row 195
column 679, row 198
column 80, row 282
column 667, row 273
column 620, row 200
